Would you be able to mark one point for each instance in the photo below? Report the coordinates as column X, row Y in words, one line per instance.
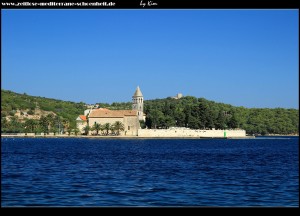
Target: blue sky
column 245, row 58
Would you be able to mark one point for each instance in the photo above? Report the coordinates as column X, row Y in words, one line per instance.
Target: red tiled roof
column 82, row 117
column 106, row 113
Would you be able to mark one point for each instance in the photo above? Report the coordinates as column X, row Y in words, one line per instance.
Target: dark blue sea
column 150, row 172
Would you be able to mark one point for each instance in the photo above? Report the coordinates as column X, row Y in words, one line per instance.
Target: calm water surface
column 158, row 172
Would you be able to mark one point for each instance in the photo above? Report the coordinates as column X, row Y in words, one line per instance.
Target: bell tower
column 138, row 103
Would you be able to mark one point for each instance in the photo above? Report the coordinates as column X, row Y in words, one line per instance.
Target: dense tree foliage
column 191, row 112
column 204, row 114
column 116, row 106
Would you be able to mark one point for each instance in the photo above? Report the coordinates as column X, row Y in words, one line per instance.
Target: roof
column 106, row 113
column 138, row 92
column 82, row 117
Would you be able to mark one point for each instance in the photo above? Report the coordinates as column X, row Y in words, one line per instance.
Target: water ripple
column 91, row 172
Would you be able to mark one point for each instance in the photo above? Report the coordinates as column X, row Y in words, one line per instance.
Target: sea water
column 150, row 172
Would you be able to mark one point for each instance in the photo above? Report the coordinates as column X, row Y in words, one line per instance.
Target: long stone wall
column 186, row 132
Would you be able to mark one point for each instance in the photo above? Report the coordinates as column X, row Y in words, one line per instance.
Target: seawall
column 186, row 132
column 183, row 133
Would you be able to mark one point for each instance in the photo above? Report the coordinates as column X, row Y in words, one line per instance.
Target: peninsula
column 178, row 117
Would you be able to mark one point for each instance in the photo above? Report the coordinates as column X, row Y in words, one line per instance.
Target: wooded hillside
column 24, row 113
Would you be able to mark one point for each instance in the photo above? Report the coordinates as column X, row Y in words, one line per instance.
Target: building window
column 128, row 127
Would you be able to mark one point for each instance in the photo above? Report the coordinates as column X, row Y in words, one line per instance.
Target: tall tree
column 30, row 125
column 86, row 130
column 220, row 121
column 233, row 122
column 51, row 121
column 66, row 124
column 107, row 127
column 69, row 130
column 96, row 127
column 44, row 123
column 118, row 126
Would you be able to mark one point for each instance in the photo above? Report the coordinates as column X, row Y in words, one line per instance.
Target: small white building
column 178, row 96
column 81, row 122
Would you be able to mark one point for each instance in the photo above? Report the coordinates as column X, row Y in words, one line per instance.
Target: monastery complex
column 131, row 121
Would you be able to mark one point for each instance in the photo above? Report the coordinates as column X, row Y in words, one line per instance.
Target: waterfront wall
column 154, row 133
column 186, row 132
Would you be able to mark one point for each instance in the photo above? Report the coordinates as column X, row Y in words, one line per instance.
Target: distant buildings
column 178, row 96
column 92, row 106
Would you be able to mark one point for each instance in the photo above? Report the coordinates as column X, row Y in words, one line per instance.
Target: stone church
column 129, row 118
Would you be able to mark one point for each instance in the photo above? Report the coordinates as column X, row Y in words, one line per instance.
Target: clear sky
column 245, row 58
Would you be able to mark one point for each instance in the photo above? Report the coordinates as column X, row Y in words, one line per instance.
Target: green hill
column 199, row 113
column 11, row 102
column 19, row 109
column 24, row 113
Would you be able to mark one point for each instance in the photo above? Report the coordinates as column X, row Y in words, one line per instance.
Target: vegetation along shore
column 22, row 113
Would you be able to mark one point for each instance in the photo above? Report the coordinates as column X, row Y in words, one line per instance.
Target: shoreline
column 270, row 135
column 133, row 137
column 137, row 137
column 117, row 137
